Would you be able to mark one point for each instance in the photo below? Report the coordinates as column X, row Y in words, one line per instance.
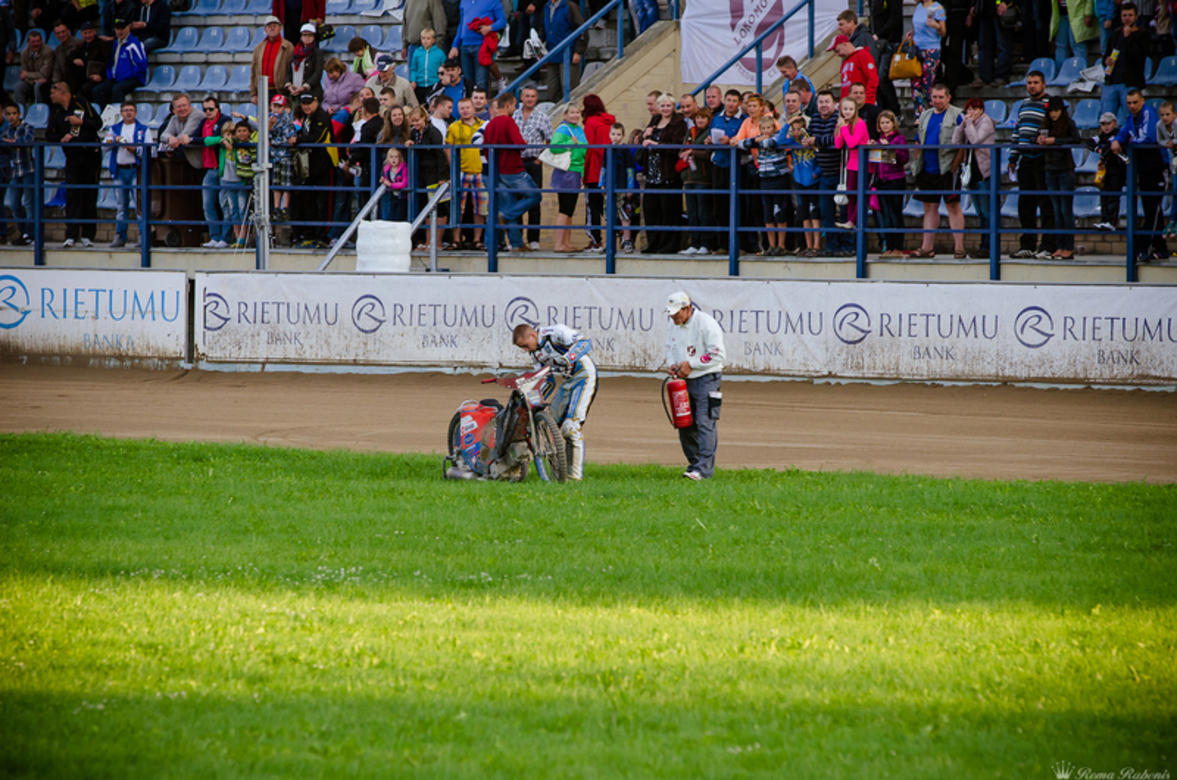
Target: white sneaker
column 534, row 246
column 1042, row 254
column 503, row 84
column 844, row 225
column 1104, row 226
column 212, row 244
column 68, row 243
column 87, row 242
column 221, row 245
column 689, row 251
column 693, row 475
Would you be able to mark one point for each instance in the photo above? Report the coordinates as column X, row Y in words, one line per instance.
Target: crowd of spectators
column 325, row 115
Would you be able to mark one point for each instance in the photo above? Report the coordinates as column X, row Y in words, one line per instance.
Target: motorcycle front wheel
column 549, row 456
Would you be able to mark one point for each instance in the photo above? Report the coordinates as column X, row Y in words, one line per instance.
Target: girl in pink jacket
column 850, row 133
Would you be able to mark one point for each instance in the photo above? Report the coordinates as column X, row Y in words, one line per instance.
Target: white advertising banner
column 888, row 330
column 714, row 32
column 116, row 314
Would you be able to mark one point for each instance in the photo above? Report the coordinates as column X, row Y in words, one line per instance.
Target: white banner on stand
column 713, row 33
column 107, row 314
column 886, row 330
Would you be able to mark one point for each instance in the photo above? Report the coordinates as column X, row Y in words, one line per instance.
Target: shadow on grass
column 595, row 731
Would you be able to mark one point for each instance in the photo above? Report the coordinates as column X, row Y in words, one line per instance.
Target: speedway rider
column 694, row 352
column 566, row 351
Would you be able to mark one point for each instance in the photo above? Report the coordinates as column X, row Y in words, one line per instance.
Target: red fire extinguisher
column 679, row 411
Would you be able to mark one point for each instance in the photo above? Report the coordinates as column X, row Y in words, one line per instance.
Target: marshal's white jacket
column 699, row 342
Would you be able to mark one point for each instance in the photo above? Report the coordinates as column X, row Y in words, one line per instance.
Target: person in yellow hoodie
column 468, row 130
column 1072, row 25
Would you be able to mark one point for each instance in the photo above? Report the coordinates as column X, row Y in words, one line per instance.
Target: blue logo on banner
column 851, row 323
column 14, row 302
column 521, row 310
column 1034, row 327
column 216, row 311
column 367, row 314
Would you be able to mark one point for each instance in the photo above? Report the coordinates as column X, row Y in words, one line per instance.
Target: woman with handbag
column 929, row 22
column 566, row 155
column 977, row 129
column 662, row 202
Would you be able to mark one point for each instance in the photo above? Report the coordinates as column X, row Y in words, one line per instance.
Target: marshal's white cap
column 678, row 300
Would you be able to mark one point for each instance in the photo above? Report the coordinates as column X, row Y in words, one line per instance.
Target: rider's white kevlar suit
column 566, row 351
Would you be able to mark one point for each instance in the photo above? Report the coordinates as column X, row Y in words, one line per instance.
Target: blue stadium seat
column 1079, row 156
column 1087, row 114
column 188, row 80
column 402, row 71
column 373, row 34
column 215, row 79
column 11, row 77
column 19, row 38
column 359, row 6
column 187, row 39
column 259, row 7
column 239, row 39
column 233, row 7
column 55, row 198
column 38, row 116
column 55, row 159
column 1011, row 120
column 1068, row 73
column 51, row 41
column 249, row 109
column 343, row 35
column 996, row 110
column 1086, row 203
column 212, row 40
column 144, row 112
column 393, row 41
column 1010, row 207
column 108, row 196
column 1153, row 103
column 1044, row 64
column 162, row 79
column 1166, row 75
column 205, row 8
column 258, row 37
column 1147, row 71
column 338, row 7
column 1090, row 165
column 238, row 80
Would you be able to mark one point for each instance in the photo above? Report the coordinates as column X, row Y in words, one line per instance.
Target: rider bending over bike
column 566, row 351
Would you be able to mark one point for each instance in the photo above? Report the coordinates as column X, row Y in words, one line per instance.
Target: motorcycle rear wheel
column 549, row 455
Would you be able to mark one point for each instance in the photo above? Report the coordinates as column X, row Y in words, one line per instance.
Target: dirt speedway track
column 988, row 432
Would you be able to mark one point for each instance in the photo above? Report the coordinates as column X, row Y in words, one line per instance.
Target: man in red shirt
column 858, row 67
column 515, row 190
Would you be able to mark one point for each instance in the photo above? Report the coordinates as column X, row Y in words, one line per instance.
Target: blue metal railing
column 757, row 43
column 564, row 49
column 732, row 225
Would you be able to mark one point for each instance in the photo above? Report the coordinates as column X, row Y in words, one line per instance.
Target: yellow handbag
column 906, row 63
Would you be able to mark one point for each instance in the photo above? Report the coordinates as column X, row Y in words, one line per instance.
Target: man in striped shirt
column 536, row 129
column 1028, row 161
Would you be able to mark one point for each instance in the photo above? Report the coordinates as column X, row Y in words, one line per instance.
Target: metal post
column 567, row 74
column 261, row 167
column 433, row 241
column 492, row 214
column 994, row 214
column 610, row 215
column 860, row 218
column 1131, row 216
column 759, row 69
column 146, row 233
column 733, row 214
column 621, row 31
column 38, row 204
column 811, row 29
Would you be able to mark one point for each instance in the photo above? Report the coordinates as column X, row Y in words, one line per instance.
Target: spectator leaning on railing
column 180, row 131
column 1149, row 164
column 126, row 166
column 516, row 191
column 18, row 139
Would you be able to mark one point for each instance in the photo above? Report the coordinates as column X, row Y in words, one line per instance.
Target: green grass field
column 182, row 610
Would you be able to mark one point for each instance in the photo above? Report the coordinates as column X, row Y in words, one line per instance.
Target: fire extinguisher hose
column 665, row 406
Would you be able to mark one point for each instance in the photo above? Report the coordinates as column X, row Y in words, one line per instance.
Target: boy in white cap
column 1115, row 172
column 694, row 352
